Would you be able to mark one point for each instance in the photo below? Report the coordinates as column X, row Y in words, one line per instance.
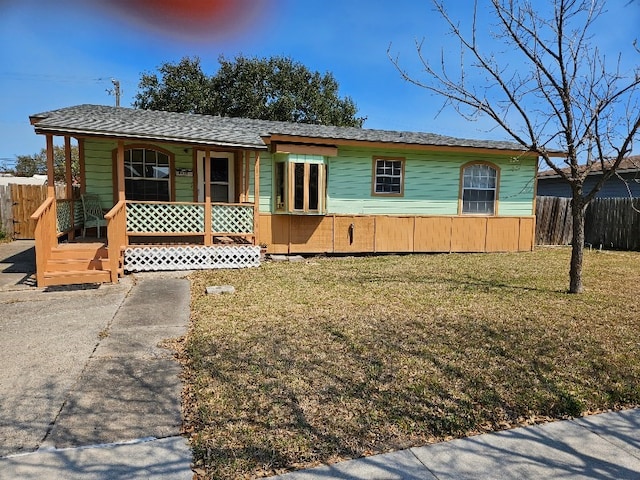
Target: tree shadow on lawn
column 291, row 409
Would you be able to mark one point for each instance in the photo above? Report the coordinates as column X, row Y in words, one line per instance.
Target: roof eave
column 270, row 138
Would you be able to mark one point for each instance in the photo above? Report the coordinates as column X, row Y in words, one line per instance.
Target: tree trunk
column 577, row 246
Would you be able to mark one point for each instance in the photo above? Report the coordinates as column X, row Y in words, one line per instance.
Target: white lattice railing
column 195, row 257
column 184, row 218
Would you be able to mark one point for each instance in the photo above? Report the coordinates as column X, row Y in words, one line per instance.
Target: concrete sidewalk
column 605, row 446
column 85, row 390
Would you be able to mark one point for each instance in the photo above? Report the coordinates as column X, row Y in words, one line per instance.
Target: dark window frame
column 153, row 166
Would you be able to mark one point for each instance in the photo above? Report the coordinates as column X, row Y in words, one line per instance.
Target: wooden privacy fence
column 17, row 203
column 612, row 223
column 553, row 221
column 6, row 216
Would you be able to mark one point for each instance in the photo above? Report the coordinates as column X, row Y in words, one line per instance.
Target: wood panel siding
column 503, row 234
column 527, row 237
column 388, row 234
column 353, row 234
column 432, row 234
column 311, row 234
column 468, row 234
column 394, row 234
column 274, row 231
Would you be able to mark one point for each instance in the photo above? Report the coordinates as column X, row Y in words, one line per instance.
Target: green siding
column 184, row 185
column 99, row 169
column 266, row 181
column 432, row 183
column 432, row 180
column 517, row 187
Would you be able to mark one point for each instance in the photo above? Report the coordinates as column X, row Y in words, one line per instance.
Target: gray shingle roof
column 629, row 164
column 119, row 122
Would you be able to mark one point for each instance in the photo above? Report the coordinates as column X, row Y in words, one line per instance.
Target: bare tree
column 555, row 91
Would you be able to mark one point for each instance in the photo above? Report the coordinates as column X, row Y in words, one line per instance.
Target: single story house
column 625, row 184
column 185, row 191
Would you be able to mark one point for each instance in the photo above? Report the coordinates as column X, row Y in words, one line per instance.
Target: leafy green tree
column 182, row 87
column 30, row 165
column 275, row 88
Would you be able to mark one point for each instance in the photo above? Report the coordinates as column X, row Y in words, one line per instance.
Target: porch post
column 83, row 177
column 51, row 179
column 69, row 183
column 256, row 196
column 247, row 174
column 208, row 221
column 120, row 170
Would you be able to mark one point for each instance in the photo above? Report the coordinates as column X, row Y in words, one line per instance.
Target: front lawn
column 338, row 358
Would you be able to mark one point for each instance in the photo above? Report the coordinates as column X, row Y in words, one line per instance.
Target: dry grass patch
column 340, row 358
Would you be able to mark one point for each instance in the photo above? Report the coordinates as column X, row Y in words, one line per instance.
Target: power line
column 49, row 78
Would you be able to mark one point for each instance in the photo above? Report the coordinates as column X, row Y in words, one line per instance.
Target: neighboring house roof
column 35, row 180
column 627, row 165
column 119, row 122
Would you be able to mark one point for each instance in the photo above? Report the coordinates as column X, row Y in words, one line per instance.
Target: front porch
column 169, row 207
column 142, row 236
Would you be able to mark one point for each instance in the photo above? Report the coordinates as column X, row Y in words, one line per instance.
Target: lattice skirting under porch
column 144, row 259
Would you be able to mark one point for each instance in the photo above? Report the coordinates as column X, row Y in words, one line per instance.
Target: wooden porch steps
column 76, row 263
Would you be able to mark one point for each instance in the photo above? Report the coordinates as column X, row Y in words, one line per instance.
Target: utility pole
column 116, row 90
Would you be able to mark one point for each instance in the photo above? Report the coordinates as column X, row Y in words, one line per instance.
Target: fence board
column 609, row 222
column 18, row 202
column 553, row 221
column 26, row 200
column 6, row 217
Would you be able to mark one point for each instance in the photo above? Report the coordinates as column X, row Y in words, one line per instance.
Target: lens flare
column 193, row 18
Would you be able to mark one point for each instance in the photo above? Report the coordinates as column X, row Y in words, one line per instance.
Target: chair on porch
column 93, row 214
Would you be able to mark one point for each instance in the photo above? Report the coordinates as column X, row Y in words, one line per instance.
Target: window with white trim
column 388, row 178
column 299, row 185
column 479, row 189
column 147, row 175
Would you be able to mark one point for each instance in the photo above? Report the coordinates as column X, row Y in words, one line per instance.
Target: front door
column 221, row 177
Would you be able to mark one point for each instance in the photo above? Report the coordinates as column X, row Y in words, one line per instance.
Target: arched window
column 479, row 189
column 147, row 174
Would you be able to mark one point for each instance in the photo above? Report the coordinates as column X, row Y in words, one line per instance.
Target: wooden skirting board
column 394, row 234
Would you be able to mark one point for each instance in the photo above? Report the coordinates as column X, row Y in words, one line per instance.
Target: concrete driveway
column 82, row 376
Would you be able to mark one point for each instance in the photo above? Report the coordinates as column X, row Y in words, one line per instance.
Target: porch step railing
column 46, row 236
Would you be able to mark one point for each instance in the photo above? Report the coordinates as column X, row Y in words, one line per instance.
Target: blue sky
column 63, row 53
